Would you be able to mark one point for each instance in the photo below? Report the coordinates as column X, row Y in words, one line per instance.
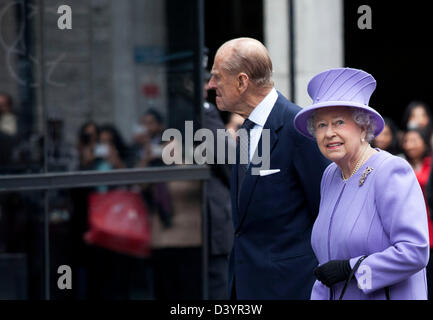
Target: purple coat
column 385, row 218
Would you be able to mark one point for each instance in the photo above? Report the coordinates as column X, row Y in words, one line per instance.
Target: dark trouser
column 218, row 277
column 177, row 273
column 233, row 292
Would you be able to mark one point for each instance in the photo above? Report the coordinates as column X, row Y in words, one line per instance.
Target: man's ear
column 242, row 82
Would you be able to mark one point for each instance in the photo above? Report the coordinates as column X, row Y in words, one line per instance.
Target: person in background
column 88, row 137
column 372, row 213
column 111, row 149
column 387, row 140
column 8, row 132
column 220, row 226
column 418, row 116
column 148, row 142
column 147, row 150
column 8, row 120
column 416, row 147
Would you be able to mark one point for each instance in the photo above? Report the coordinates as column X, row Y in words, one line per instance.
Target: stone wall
column 92, row 71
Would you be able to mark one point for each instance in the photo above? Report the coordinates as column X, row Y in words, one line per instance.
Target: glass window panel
column 164, row 265
column 22, row 246
column 21, row 114
column 127, row 69
column 97, row 97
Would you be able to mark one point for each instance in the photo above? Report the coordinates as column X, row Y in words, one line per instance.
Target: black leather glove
column 333, row 271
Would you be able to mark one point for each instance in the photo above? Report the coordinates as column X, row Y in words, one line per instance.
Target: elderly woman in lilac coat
column 371, row 236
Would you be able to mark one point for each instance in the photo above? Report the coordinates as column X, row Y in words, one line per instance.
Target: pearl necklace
column 358, row 165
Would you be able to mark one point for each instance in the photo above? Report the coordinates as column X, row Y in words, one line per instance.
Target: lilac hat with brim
column 345, row 87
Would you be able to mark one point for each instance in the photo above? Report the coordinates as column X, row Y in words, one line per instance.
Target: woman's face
column 418, row 118
column 337, row 135
column 92, row 133
column 105, row 137
column 384, row 139
column 413, row 145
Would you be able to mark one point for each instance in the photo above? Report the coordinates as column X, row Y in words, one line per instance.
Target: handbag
column 352, row 273
column 118, row 221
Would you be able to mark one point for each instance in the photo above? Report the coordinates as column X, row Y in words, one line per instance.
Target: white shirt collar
column 261, row 112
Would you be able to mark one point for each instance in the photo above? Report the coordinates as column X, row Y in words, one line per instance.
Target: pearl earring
column 363, row 140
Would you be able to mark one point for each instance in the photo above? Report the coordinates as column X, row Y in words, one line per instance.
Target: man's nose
column 211, row 84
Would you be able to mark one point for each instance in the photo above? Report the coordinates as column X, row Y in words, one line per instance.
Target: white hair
column 362, row 119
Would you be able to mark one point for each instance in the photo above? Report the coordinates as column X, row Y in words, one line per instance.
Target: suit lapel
column 274, row 122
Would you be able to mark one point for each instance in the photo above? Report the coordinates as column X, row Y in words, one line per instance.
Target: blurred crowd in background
column 413, row 141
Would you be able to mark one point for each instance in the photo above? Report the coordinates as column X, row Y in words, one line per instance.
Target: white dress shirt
column 259, row 116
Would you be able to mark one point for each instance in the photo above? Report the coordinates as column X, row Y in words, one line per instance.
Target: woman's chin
column 334, row 156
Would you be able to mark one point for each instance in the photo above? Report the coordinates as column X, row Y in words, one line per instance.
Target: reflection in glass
column 177, row 246
column 21, row 130
column 96, row 97
column 128, row 68
column 21, row 246
column 108, row 263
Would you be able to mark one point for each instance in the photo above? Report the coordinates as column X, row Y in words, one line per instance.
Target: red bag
column 118, row 221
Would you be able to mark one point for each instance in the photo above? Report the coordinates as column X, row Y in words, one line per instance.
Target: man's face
column 225, row 85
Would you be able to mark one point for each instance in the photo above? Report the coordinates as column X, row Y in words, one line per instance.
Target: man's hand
column 333, row 272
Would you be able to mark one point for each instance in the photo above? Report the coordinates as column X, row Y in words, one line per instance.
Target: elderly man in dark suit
column 273, row 212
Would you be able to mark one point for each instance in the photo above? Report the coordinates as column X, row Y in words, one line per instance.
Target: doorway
column 396, row 51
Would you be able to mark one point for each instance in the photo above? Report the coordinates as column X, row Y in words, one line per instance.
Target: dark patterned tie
column 244, row 148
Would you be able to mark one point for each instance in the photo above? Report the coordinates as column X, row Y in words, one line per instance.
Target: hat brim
column 302, row 117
